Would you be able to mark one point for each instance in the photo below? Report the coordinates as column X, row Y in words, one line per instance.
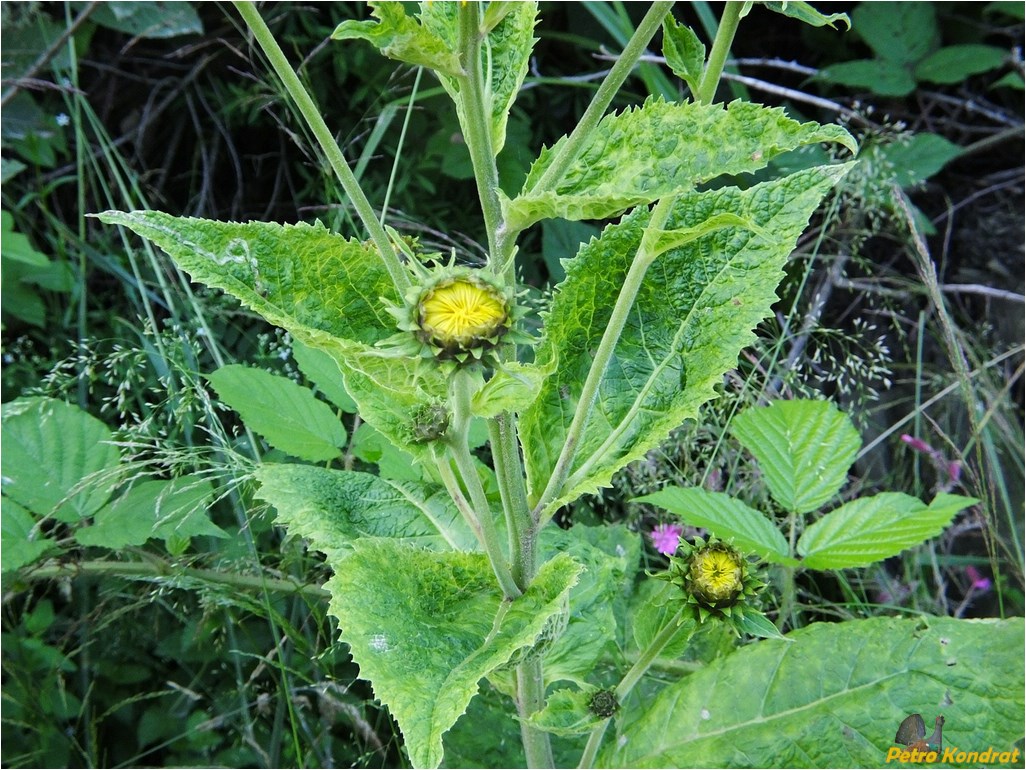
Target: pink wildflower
column 666, row 538
column 980, row 583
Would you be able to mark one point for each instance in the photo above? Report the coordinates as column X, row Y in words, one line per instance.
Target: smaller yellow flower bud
column 717, row 575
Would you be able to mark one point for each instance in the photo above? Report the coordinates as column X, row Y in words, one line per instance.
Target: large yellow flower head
column 457, row 314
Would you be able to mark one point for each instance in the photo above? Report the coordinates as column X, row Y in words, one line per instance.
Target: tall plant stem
column 530, row 699
column 718, row 55
column 635, row 47
column 614, row 328
column 324, row 138
column 641, row 665
column 461, row 388
column 475, row 119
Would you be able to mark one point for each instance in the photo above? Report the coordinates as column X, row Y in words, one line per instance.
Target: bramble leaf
column 322, row 370
column 725, row 517
column 154, row 509
column 872, row 529
column 804, row 449
column 332, row 509
column 288, row 415
column 425, row 627
column 834, row 696
column 695, row 311
column 22, row 542
column 646, row 153
column 57, row 459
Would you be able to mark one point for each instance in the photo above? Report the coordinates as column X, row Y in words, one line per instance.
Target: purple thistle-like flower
column 666, row 538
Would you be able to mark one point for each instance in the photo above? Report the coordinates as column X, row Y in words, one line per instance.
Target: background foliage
column 125, row 643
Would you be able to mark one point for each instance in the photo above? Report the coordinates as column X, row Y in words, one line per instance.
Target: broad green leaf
column 510, row 389
column 370, row 446
column 566, row 712
column 154, row 509
column 916, row 159
column 804, row 12
column 903, row 33
column 322, row 370
column 402, row 38
column 880, row 76
column 16, row 245
column 610, row 556
column 653, row 606
column 684, row 52
column 150, row 19
column 804, row 449
column 835, row 696
column 22, row 542
column 725, row 517
column 872, row 529
column 57, row 459
column 288, row 415
column 643, row 154
column 325, row 290
column 332, row 509
column 955, row 63
column 694, row 312
column 425, row 627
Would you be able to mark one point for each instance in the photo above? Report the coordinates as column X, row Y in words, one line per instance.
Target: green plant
column 445, row 570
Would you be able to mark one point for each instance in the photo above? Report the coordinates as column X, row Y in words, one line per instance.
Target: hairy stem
column 531, row 698
column 329, row 146
column 632, row 677
column 475, row 120
column 610, row 337
column 720, row 49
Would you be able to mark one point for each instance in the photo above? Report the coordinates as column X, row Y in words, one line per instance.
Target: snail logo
column 921, row 749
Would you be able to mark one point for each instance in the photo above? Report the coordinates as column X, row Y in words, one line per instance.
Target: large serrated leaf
column 726, row 518
column 57, row 459
column 425, row 627
column 835, row 696
column 296, row 276
column 642, row 154
column 694, row 312
column 871, row 529
column 804, row 449
column 288, row 415
column 332, row 509
column 322, row 288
